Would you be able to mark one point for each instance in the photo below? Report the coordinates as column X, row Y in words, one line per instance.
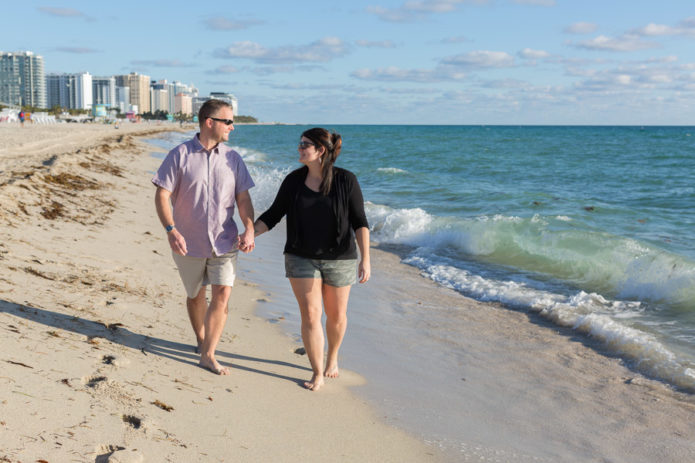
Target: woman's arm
column 364, row 270
column 260, row 227
column 277, row 210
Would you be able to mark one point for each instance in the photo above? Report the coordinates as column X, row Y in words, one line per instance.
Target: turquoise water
column 591, row 227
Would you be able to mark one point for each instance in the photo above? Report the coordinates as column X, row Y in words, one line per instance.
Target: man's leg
column 215, row 318
column 308, row 294
column 196, row 313
column 335, row 301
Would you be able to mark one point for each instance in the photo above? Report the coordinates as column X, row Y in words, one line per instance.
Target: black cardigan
column 348, row 212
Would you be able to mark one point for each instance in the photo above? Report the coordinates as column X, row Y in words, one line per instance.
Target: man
column 203, row 179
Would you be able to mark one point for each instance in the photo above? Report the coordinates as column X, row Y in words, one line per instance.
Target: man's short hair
column 210, row 108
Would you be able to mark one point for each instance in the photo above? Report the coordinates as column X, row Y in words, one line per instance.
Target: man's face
column 219, row 131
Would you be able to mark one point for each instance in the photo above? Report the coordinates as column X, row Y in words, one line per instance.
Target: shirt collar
column 199, row 146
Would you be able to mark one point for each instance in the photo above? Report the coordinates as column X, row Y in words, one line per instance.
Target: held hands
column 246, row 242
column 177, row 242
column 364, row 271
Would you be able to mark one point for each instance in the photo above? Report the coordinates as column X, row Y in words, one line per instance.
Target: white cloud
column 395, row 74
column 623, row 79
column 322, row 50
column 376, row 44
column 481, row 59
column 224, row 24
column 647, row 75
column 626, row 42
column 62, row 12
column 684, row 28
column 655, row 30
column 416, row 10
column 528, row 53
column 581, row 28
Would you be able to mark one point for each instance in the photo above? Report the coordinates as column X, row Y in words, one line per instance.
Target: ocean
column 593, row 228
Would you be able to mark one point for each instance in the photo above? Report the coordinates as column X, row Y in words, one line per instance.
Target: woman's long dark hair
column 332, row 142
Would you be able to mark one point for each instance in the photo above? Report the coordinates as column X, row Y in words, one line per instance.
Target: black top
column 318, row 226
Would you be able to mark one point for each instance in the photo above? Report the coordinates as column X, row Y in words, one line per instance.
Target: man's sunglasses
column 305, row 144
column 224, row 121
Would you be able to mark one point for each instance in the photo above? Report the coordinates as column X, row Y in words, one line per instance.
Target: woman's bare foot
column 212, row 365
column 315, row 383
column 332, row 371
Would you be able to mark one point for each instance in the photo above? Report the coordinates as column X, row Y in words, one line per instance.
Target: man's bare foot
column 332, row 371
column 315, row 383
column 213, row 366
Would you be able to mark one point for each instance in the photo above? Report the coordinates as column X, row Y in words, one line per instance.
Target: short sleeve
column 243, row 180
column 167, row 174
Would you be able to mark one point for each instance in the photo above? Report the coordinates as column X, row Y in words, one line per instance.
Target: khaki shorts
column 197, row 272
column 336, row 273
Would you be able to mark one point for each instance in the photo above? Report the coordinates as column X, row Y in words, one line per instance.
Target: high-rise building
column 22, row 79
column 159, row 100
column 197, row 102
column 139, row 86
column 183, row 104
column 160, row 96
column 72, row 91
column 104, row 91
column 228, row 97
column 123, row 99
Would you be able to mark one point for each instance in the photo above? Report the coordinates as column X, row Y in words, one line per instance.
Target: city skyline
column 382, row 61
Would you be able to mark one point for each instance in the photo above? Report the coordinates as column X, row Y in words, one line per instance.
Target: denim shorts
column 336, row 273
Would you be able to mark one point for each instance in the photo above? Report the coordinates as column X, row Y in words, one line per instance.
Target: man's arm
column 163, row 206
column 245, row 206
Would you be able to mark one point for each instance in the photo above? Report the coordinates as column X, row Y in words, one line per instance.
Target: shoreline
column 99, row 360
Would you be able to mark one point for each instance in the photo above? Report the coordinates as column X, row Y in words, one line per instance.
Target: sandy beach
column 98, row 361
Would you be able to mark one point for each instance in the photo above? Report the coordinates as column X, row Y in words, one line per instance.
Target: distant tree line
column 161, row 115
column 247, row 119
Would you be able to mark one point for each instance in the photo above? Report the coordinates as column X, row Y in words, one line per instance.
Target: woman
column 325, row 213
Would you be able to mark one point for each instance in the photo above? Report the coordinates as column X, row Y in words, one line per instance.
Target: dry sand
column 97, row 356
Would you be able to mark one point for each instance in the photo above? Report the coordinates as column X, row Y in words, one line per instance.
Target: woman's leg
column 308, row 294
column 335, row 301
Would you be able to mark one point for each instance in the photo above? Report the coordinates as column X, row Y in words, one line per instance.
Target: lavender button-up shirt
column 203, row 186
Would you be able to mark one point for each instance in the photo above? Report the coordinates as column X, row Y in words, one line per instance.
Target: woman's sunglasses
column 305, row 144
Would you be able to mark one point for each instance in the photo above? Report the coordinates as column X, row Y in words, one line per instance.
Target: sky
column 518, row 62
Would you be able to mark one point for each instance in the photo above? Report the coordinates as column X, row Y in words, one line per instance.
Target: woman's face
column 309, row 152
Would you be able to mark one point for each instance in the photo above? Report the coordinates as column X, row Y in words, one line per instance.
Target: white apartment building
column 72, row 91
column 22, row 79
column 228, row 97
